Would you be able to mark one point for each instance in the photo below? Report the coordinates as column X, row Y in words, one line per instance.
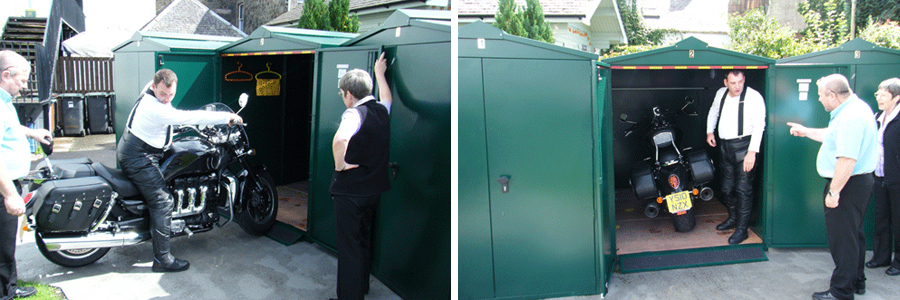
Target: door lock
column 504, row 183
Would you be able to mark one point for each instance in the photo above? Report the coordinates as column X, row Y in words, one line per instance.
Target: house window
column 240, row 20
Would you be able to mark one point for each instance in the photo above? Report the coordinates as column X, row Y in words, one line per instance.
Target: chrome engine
column 191, row 194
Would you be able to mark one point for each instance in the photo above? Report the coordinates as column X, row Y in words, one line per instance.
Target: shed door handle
column 394, row 168
column 504, row 183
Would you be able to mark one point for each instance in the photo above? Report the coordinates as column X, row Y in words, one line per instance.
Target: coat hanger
column 250, row 76
column 268, row 71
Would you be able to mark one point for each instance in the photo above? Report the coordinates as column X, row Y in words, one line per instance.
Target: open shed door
column 328, row 106
column 797, row 217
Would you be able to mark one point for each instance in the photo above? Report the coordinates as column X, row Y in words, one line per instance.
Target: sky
column 128, row 15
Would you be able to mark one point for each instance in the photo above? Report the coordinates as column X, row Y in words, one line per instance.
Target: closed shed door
column 538, row 129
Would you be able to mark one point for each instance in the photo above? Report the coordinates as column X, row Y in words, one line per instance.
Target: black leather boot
column 744, row 207
column 732, row 216
column 161, row 232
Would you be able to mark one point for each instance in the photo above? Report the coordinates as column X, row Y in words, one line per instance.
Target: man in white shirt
column 740, row 114
column 148, row 133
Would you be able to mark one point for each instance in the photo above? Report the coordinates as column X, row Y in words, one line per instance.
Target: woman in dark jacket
column 887, row 180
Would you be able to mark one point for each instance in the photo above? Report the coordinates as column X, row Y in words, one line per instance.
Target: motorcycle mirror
column 48, row 149
column 242, row 101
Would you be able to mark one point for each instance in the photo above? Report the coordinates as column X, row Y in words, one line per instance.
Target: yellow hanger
column 268, row 71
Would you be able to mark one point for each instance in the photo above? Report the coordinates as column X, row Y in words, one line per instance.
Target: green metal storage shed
column 670, row 77
column 533, row 169
column 797, row 217
column 286, row 57
column 192, row 57
column 412, row 227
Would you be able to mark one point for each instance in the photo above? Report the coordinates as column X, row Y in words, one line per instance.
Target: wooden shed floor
column 636, row 233
column 292, row 204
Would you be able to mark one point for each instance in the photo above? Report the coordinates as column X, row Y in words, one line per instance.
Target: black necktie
column 740, row 117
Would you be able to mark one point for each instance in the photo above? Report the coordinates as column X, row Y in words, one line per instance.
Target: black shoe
column 738, row 237
column 177, row 265
column 25, row 291
column 860, row 288
column 728, row 224
column 826, row 295
column 871, row 264
column 892, row 271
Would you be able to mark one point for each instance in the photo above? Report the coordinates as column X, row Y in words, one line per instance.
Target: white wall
column 127, row 15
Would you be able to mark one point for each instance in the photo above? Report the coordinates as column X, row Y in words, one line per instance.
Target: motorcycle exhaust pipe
column 651, row 210
column 96, row 240
column 706, row 194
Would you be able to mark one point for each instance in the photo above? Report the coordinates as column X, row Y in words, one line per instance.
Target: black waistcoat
column 368, row 148
column 891, row 143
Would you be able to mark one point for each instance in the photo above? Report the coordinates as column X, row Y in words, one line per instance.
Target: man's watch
column 833, row 194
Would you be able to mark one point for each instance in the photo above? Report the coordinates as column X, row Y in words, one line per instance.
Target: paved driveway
column 226, row 263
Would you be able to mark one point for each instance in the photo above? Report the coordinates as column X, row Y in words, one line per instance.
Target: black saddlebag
column 68, row 205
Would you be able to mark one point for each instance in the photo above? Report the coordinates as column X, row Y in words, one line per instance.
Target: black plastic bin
column 72, row 108
column 97, row 105
column 112, row 112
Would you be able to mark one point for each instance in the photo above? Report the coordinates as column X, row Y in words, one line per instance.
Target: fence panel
column 83, row 75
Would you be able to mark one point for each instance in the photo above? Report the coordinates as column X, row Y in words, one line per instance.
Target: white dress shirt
column 152, row 120
column 754, row 117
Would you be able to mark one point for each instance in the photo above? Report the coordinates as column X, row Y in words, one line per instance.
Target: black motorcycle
column 79, row 209
column 672, row 176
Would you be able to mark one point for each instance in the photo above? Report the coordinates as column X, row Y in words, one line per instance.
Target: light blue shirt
column 14, row 148
column 852, row 134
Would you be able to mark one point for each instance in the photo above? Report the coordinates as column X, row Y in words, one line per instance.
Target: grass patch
column 44, row 292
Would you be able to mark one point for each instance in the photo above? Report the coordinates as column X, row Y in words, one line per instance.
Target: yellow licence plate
column 679, row 202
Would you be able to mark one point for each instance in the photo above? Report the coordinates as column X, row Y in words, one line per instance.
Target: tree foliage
column 525, row 22
column 637, row 32
column 756, row 34
column 332, row 17
column 885, row 34
column 880, row 11
column 826, row 22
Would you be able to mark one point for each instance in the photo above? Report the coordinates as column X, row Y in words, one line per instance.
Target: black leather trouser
column 737, row 185
column 140, row 162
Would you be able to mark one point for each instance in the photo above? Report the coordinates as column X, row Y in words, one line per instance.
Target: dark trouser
column 887, row 223
column 8, row 229
column 141, row 163
column 846, row 240
column 737, row 185
column 353, row 221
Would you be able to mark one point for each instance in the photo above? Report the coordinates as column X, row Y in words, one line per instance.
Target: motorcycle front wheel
column 70, row 258
column 685, row 222
column 262, row 205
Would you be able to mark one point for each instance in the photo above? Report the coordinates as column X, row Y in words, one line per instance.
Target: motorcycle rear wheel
column 262, row 205
column 685, row 222
column 70, row 258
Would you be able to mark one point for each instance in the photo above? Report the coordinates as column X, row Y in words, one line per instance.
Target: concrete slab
column 226, row 263
column 789, row 274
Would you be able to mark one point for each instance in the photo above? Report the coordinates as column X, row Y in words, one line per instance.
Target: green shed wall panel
column 198, row 75
column 475, row 247
column 131, row 72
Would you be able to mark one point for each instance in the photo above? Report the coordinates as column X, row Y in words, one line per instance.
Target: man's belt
column 740, row 139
